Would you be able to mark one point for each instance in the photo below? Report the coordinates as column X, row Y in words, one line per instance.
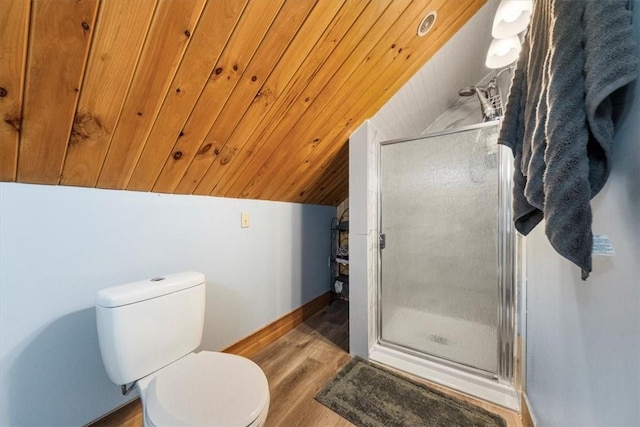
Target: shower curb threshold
column 486, row 389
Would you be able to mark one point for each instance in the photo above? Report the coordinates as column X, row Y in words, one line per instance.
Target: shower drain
column 438, row 339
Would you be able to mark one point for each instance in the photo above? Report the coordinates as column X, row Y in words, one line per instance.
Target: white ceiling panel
column 459, row 63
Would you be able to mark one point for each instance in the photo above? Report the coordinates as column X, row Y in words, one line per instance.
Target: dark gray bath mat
column 370, row 396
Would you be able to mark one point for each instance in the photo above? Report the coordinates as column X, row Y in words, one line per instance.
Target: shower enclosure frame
column 500, row 387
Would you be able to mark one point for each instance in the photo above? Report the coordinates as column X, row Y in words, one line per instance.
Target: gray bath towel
column 559, row 119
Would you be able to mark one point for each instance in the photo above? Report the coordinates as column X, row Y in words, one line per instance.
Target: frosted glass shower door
column 439, row 274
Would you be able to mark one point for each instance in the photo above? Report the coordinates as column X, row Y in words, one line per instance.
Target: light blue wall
column 583, row 358
column 60, row 245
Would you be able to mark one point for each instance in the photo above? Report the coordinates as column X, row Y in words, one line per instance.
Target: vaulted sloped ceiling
column 235, row 98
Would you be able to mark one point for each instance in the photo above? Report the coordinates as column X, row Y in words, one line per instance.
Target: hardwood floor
column 297, row 365
column 130, row 415
column 301, row 362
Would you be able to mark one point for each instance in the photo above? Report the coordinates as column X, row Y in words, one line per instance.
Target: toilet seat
column 208, row 389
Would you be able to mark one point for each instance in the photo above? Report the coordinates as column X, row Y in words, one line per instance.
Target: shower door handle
column 382, row 240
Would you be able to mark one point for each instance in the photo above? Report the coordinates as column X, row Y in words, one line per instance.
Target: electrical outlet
column 244, row 219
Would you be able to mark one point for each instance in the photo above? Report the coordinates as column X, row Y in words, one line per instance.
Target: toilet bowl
column 148, row 332
column 206, row 389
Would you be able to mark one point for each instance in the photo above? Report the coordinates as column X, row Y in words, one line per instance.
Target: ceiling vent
column 427, row 23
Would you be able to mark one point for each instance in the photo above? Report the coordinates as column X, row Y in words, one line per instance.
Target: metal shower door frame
column 507, row 258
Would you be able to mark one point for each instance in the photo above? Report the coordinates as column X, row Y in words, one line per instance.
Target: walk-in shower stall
column 445, row 298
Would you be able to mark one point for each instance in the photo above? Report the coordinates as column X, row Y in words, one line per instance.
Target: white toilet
column 148, row 331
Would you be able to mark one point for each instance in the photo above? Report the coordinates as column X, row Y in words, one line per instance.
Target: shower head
column 486, row 97
column 467, row 91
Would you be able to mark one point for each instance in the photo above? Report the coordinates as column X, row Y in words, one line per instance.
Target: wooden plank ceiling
column 234, row 98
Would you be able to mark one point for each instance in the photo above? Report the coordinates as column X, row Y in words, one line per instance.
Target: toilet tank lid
column 130, row 293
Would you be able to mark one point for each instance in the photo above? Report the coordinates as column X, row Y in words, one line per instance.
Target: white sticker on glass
column 602, row 245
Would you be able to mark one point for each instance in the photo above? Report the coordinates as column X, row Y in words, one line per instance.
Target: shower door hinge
column 382, row 240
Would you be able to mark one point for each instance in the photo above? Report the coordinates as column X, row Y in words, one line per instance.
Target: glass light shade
column 503, row 52
column 512, row 17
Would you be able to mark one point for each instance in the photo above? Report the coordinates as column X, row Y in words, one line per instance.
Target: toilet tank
column 145, row 325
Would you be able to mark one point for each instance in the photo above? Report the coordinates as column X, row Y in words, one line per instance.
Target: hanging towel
column 559, row 117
